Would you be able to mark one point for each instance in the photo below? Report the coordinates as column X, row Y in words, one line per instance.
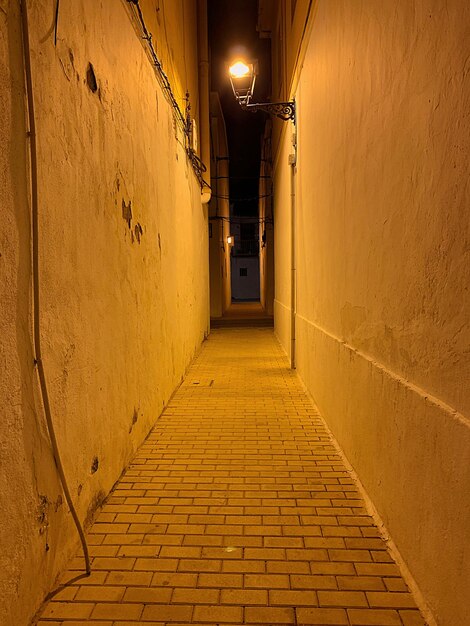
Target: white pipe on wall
column 204, row 97
column 293, row 284
column 293, row 272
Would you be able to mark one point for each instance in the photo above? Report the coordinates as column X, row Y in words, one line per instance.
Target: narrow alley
column 234, row 312
column 241, row 496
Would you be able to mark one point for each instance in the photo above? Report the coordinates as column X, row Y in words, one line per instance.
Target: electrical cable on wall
column 36, row 283
column 183, row 120
column 56, row 21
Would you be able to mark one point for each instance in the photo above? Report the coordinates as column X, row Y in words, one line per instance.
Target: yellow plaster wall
column 219, row 210
column 215, row 268
column 282, row 243
column 124, row 300
column 172, row 25
column 383, row 268
column 265, row 210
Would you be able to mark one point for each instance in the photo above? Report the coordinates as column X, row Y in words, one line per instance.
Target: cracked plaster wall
column 123, row 267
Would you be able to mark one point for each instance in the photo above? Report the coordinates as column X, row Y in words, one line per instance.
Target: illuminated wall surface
column 219, row 211
column 123, row 256
column 383, row 267
column 266, row 233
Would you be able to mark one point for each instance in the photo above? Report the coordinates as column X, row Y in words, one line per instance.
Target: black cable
column 36, row 289
column 56, row 21
column 242, row 219
column 183, row 121
column 246, row 199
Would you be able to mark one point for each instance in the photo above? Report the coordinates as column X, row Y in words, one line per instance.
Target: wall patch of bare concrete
column 123, row 271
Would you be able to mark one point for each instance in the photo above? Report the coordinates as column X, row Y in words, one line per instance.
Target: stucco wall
column 282, row 241
column 219, row 213
column 266, row 230
column 123, row 267
column 383, row 268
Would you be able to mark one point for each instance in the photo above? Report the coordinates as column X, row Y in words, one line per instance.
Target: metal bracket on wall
column 284, row 110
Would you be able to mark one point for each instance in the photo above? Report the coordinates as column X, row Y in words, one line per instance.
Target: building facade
column 219, row 214
column 372, row 258
column 123, row 261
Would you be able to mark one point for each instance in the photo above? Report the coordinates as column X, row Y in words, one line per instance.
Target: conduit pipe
column 203, row 49
column 293, row 278
column 36, row 286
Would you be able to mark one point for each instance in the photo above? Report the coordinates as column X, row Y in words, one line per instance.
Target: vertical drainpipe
column 203, row 49
column 293, row 284
column 203, row 52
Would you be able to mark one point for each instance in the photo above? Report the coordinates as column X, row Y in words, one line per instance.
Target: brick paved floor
column 236, row 510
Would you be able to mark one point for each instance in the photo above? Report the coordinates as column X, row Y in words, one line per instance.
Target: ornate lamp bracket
column 284, row 110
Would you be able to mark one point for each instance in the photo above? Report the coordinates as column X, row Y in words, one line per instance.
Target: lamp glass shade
column 242, row 77
column 239, row 70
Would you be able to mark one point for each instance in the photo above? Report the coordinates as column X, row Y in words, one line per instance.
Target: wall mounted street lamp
column 230, row 240
column 243, row 78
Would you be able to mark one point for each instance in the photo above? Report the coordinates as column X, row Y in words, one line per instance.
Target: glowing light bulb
column 239, row 69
